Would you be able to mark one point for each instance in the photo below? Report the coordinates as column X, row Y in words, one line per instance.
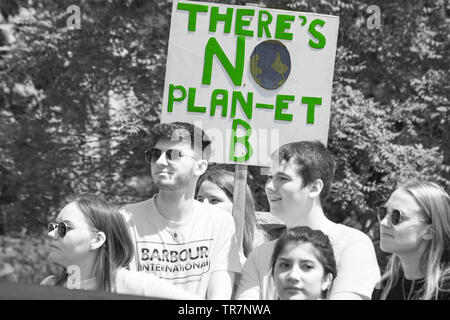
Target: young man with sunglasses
column 186, row 242
column 299, row 180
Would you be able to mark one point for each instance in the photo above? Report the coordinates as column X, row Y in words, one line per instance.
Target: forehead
column 164, row 144
column 72, row 213
column 209, row 188
column 286, row 167
column 299, row 252
column 401, row 199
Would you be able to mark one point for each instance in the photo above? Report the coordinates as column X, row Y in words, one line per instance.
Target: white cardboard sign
column 253, row 78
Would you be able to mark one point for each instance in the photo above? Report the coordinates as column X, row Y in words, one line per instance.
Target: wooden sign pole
column 239, row 195
column 240, row 192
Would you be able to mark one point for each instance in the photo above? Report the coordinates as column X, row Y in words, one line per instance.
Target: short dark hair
column 179, row 131
column 314, row 162
column 320, row 242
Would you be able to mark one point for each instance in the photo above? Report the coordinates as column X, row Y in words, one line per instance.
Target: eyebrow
column 282, row 174
column 290, row 260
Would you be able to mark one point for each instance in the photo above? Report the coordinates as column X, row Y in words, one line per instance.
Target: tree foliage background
column 76, row 106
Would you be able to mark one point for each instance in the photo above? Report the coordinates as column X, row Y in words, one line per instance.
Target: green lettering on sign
column 191, row 102
column 243, row 140
column 246, row 105
column 283, row 23
column 193, row 9
column 321, row 40
column 311, row 102
column 282, row 104
column 215, row 101
column 213, row 49
column 240, row 23
column 171, row 97
column 216, row 17
column 264, row 24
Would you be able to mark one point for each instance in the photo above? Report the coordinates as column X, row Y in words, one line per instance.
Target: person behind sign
column 415, row 228
column 90, row 239
column 188, row 243
column 303, row 265
column 299, row 181
column 216, row 187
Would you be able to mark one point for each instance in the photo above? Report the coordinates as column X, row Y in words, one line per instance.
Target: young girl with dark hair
column 303, row 264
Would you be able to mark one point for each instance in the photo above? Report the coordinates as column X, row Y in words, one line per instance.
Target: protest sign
column 253, row 78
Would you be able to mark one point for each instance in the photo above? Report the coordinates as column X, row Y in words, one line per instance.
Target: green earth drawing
column 270, row 64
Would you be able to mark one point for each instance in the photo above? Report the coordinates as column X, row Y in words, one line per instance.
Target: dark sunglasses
column 172, row 155
column 396, row 215
column 62, row 228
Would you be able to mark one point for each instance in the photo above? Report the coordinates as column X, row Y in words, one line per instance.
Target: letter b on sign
column 74, row 20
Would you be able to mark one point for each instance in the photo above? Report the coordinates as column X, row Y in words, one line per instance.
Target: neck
column 83, row 269
column 176, row 205
column 411, row 265
column 312, row 216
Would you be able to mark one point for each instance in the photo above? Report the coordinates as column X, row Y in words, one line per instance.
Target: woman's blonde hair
column 435, row 204
column 118, row 249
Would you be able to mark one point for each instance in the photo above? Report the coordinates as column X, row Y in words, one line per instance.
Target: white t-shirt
column 185, row 253
column 357, row 266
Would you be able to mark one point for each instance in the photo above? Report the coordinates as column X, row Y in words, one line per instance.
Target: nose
column 205, row 201
column 270, row 185
column 294, row 275
column 162, row 160
column 386, row 222
column 53, row 234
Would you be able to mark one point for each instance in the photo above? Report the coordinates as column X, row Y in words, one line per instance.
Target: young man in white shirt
column 299, row 181
column 187, row 243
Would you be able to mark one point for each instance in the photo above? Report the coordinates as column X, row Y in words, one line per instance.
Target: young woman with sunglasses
column 91, row 241
column 415, row 228
column 303, row 265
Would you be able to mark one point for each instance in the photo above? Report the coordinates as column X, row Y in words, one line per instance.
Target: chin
column 385, row 246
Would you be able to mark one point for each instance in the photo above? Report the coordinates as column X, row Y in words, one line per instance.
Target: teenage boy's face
column 284, row 188
column 173, row 169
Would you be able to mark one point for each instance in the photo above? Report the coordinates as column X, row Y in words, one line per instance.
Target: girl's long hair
column 225, row 180
column 118, row 249
column 435, row 204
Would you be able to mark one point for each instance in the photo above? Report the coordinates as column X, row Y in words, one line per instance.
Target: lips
column 273, row 198
column 384, row 234
column 293, row 289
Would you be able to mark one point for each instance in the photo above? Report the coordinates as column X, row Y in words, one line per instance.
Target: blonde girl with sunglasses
column 415, row 228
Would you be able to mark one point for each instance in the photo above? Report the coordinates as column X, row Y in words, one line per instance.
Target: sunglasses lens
column 51, row 227
column 173, row 155
column 395, row 217
column 152, row 155
column 382, row 212
column 62, row 229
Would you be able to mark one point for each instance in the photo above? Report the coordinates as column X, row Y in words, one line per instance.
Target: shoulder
column 131, row 209
column 263, row 253
column 49, row 281
column 344, row 234
column 211, row 212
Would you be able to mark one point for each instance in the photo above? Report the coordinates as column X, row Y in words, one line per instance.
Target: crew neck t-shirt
column 405, row 289
column 357, row 266
column 184, row 253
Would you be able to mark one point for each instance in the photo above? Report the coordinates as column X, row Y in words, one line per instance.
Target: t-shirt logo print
column 174, row 260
